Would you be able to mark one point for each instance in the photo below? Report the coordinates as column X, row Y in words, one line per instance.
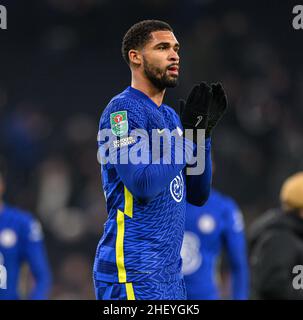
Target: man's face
column 161, row 59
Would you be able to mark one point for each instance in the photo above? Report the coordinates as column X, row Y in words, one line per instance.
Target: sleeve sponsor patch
column 124, row 142
column 119, row 123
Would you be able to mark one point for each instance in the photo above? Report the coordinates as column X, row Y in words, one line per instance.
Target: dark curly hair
column 140, row 33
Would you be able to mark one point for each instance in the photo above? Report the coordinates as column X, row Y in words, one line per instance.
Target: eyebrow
column 167, row 44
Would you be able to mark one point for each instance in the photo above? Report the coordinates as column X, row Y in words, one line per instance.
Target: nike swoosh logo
column 200, row 118
column 160, row 131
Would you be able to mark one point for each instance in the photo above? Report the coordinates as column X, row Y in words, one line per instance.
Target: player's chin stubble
column 158, row 77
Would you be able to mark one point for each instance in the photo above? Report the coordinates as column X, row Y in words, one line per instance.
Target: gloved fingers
column 217, row 89
column 194, row 95
column 219, row 96
column 205, row 89
column 206, row 96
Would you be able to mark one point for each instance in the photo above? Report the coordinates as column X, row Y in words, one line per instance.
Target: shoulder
column 284, row 239
column 226, row 201
column 30, row 225
column 23, row 220
column 126, row 104
column 231, row 212
column 19, row 214
column 124, row 101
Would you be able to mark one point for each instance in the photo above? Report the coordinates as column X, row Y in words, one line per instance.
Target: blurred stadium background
column 60, row 63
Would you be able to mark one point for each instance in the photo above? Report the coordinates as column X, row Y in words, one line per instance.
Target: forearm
column 41, row 288
column 198, row 186
column 146, row 181
column 240, row 281
column 41, row 272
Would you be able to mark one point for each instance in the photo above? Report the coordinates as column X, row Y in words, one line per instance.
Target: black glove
column 217, row 108
column 194, row 112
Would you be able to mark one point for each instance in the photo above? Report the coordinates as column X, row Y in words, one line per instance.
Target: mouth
column 173, row 70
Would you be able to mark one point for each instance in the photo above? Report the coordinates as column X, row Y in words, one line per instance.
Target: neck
column 145, row 86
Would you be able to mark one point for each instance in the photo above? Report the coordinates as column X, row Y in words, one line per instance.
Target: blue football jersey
column 216, row 225
column 21, row 242
column 141, row 241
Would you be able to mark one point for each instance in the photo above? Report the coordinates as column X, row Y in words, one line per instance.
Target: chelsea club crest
column 177, row 188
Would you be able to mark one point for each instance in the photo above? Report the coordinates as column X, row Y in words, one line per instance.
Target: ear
column 135, row 57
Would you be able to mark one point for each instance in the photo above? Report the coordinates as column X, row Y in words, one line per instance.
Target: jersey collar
column 142, row 95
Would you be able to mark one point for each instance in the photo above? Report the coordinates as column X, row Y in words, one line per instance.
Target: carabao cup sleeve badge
column 119, row 123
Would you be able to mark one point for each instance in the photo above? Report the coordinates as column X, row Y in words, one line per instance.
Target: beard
column 159, row 77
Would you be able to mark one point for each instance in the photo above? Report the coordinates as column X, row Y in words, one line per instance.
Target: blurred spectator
column 276, row 246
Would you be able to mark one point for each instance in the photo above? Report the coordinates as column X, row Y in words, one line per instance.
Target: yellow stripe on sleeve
column 128, row 210
column 128, row 206
column 120, row 246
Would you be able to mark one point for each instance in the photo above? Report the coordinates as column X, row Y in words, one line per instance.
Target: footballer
column 21, row 242
column 138, row 256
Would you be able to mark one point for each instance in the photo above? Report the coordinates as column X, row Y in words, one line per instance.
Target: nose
column 174, row 56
